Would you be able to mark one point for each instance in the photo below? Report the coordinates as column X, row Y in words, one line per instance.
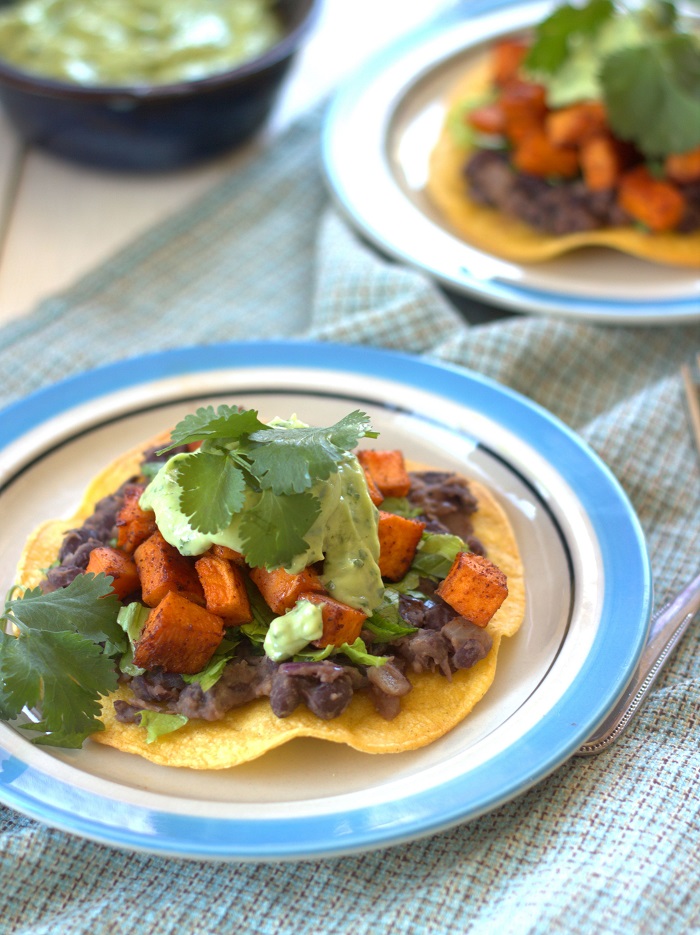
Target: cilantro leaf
column 227, row 422
column 64, row 674
column 652, row 94
column 213, row 489
column 273, row 531
column 288, row 461
column 87, row 605
column 555, row 35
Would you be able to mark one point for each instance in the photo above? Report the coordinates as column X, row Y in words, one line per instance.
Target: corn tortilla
column 496, row 233
column 431, row 709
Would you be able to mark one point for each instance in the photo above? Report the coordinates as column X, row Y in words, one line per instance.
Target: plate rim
column 193, row 837
column 511, row 296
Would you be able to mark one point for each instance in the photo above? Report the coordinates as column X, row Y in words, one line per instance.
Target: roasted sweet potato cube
column 488, row 118
column 223, row 551
column 120, row 566
column 280, row 589
column 375, row 494
column 524, row 108
column 506, row 58
column 683, row 167
column 603, row 161
column 341, row 623
column 178, row 635
column 388, row 471
column 474, row 587
column 573, row 125
column 134, row 525
column 521, row 95
column 536, row 155
column 224, row 589
column 161, row 569
column 398, row 541
column 657, row 204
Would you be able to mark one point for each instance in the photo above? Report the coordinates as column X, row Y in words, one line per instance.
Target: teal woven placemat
column 608, row 844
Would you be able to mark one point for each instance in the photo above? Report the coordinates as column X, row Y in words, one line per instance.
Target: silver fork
column 667, row 627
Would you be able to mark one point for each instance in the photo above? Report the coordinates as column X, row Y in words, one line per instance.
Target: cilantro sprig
column 227, row 423
column 661, row 78
column 651, row 89
column 58, row 658
column 240, row 455
column 557, row 35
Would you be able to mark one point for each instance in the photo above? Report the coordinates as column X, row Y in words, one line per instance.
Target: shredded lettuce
column 157, row 724
column 132, row 619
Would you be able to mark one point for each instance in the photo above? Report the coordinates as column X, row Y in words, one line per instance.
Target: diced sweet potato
column 398, row 540
column 161, row 569
column 603, row 160
column 536, row 155
column 474, row 587
column 231, row 555
column 506, row 58
column 179, row 636
column 120, row 566
column 134, row 525
column 224, row 589
column 488, row 118
column 375, row 494
column 388, row 471
column 683, row 167
column 572, row 126
column 341, row 623
column 657, row 204
column 524, row 106
column 280, row 590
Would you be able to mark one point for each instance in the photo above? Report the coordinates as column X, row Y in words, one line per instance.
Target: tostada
column 584, row 132
column 238, row 583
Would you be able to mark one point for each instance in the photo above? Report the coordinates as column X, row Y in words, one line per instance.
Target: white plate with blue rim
column 378, row 135
column 588, row 591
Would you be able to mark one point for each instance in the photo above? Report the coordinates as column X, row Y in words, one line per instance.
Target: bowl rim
column 20, row 80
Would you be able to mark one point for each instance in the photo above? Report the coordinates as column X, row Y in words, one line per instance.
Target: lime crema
column 126, row 42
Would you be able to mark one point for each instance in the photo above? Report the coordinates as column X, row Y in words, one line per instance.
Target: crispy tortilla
column 496, row 233
column 431, row 709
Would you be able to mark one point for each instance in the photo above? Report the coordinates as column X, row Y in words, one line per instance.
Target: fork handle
column 667, row 628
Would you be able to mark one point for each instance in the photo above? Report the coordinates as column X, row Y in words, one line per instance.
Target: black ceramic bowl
column 159, row 127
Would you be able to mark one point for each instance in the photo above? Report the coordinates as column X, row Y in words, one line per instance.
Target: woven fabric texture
column 606, row 844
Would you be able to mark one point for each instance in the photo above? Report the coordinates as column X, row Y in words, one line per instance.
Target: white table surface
column 58, row 220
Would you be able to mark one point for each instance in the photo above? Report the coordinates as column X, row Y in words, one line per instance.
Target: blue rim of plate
column 615, row 651
column 494, row 291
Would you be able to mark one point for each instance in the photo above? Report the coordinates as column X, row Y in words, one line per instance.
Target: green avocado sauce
column 293, row 631
column 344, row 535
column 125, row 42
